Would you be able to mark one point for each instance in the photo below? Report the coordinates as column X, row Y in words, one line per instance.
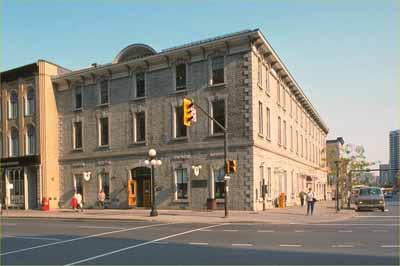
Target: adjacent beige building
column 29, row 136
column 110, row 115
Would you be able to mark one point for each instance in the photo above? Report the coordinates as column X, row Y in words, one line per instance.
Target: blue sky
column 344, row 54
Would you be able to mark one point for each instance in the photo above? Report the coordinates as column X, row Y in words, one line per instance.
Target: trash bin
column 45, row 204
column 211, row 204
column 282, row 200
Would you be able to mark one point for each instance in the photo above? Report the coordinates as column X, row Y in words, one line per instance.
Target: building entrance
column 139, row 188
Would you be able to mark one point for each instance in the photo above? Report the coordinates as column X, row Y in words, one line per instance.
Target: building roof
column 338, row 139
column 135, row 53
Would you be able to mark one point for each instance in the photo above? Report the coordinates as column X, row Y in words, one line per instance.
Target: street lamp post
column 153, row 161
column 337, row 185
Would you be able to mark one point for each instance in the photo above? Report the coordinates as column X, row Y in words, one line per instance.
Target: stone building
column 110, row 115
column 28, row 141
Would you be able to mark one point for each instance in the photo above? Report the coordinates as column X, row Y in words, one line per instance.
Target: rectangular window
column 103, row 129
column 284, row 134
column 284, row 97
column 297, row 142
column 103, row 92
column 78, row 98
column 180, row 77
column 260, row 118
column 218, row 113
column 259, row 73
column 77, row 135
column 140, row 85
column 306, row 148
column 181, row 183
column 291, row 138
column 180, row 129
column 278, row 93
column 219, row 183
column 279, row 131
column 262, row 180
column 268, row 124
column 291, row 107
column 267, row 79
column 297, row 113
column 78, row 185
column 269, row 184
column 217, row 68
column 301, row 146
column 105, row 184
column 140, row 127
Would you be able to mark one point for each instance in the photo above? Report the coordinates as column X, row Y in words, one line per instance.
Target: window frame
column 99, row 132
column 211, row 110
column 13, row 149
column 260, row 118
column 30, row 103
column 175, row 123
column 74, row 135
column 183, row 87
column 136, row 126
column 13, row 107
column 268, row 124
column 102, row 81
column 144, row 73
column 177, row 196
column 211, row 70
column 220, row 185
column 30, row 140
column 279, row 131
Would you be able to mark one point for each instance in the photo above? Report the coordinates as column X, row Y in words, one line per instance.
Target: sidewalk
column 324, row 213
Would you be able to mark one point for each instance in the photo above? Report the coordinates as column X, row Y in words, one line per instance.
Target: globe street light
column 153, row 161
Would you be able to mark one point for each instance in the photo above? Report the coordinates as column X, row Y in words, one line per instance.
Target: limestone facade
column 137, row 97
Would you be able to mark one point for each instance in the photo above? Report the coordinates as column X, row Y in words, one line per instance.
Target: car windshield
column 370, row 192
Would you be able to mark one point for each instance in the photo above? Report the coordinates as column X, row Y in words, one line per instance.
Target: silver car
column 370, row 198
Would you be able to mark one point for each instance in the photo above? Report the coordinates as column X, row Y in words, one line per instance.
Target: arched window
column 13, row 111
column 14, row 143
column 31, row 140
column 30, row 102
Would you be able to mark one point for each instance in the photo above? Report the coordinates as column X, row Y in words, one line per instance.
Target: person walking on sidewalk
column 101, row 198
column 310, row 201
column 79, row 201
column 302, row 195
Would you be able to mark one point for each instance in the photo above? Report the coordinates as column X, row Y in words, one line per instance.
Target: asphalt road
column 371, row 238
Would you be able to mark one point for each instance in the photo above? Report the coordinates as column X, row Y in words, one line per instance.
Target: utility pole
column 187, row 116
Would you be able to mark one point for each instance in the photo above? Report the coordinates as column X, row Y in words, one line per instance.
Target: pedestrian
column 74, row 203
column 310, row 201
column 101, row 197
column 79, row 201
column 302, row 195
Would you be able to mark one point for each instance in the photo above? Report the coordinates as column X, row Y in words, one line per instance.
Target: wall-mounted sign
column 87, row 176
column 196, row 169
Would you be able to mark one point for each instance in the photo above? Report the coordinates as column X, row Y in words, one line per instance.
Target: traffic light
column 231, row 167
column 187, row 111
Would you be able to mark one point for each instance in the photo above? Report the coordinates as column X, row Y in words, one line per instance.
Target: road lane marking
column 356, row 224
column 377, row 216
column 206, row 230
column 390, row 246
column 345, row 231
column 232, row 230
column 377, row 231
column 343, row 246
column 79, row 238
column 299, row 231
column 242, row 245
column 142, row 244
column 101, row 227
column 290, row 245
column 198, row 243
column 8, row 224
column 33, row 238
column 265, row 231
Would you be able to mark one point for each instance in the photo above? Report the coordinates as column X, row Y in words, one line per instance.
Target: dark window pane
column 14, row 105
column 182, row 183
column 31, row 140
column 104, row 131
column 105, row 182
column 218, row 70
column 78, row 181
column 78, row 135
column 30, row 101
column 219, row 183
column 140, row 127
column 140, row 85
column 180, row 128
column 218, row 107
column 78, row 98
column 181, row 77
column 104, row 92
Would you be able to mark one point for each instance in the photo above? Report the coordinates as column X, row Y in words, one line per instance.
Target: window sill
column 138, row 143
column 268, row 93
column 181, row 201
column 103, row 105
column 77, row 150
column 179, row 139
column 269, row 139
column 28, row 115
column 139, row 98
column 260, row 135
column 260, row 86
column 77, row 109
column 216, row 135
column 103, row 147
column 217, row 85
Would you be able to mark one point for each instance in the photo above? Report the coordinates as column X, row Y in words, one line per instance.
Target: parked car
column 370, row 198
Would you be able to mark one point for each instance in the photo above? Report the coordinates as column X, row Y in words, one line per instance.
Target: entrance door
column 146, row 193
column 132, row 191
column 32, row 188
column 17, row 188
